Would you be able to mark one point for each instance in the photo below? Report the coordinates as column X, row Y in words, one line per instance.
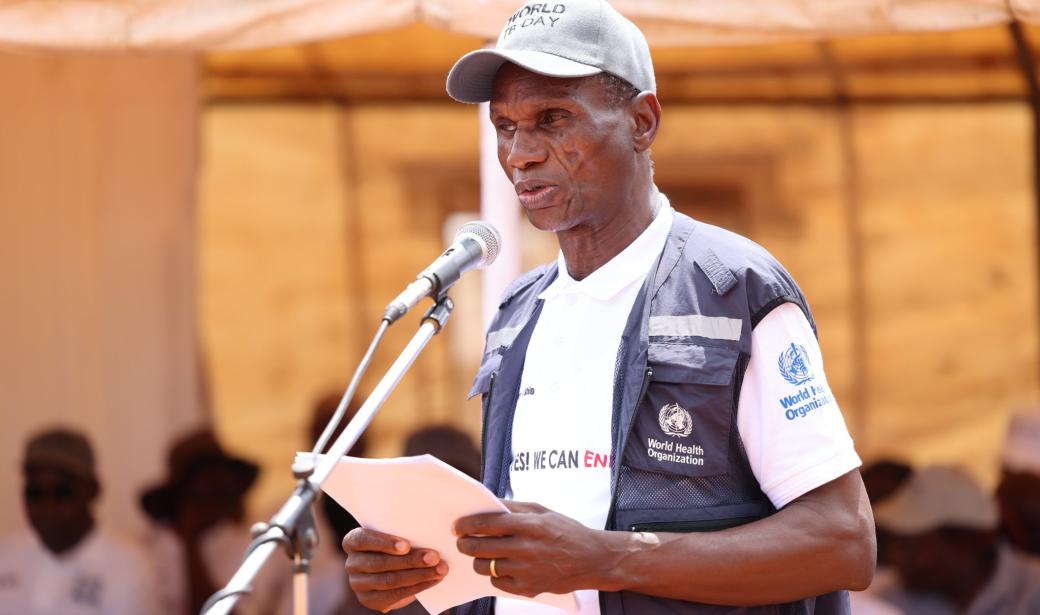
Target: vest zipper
column 705, row 525
column 620, row 453
column 484, row 423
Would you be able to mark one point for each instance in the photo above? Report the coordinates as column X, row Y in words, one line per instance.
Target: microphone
column 476, row 244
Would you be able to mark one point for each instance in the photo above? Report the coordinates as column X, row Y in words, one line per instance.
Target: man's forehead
column 515, row 84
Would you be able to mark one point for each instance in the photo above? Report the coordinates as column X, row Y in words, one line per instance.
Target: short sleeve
column 789, row 422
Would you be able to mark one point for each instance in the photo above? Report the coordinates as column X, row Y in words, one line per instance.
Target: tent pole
column 500, row 207
column 852, row 202
column 1027, row 62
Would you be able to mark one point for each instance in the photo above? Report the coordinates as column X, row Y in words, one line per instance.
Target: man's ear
column 645, row 110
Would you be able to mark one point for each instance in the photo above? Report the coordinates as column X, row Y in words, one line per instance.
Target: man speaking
column 656, row 412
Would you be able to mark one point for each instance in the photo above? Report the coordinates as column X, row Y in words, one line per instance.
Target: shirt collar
column 626, row 267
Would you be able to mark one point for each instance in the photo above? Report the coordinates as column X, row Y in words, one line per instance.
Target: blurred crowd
column 68, row 562
column 945, row 546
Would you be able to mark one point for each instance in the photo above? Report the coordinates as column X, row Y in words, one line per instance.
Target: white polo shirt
column 561, row 430
column 102, row 575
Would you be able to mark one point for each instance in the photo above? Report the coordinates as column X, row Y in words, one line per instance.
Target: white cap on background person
column 935, row 497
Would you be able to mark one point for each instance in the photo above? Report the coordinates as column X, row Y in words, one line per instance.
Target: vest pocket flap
column 488, row 366
column 692, row 363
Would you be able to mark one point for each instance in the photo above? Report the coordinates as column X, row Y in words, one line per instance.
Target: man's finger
column 482, row 566
column 512, row 586
column 361, row 539
column 524, row 507
column 394, row 598
column 488, row 547
column 385, row 581
column 485, row 524
column 362, row 561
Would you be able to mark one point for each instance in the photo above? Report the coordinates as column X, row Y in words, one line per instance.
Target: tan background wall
column 950, row 277
column 909, row 227
column 97, row 248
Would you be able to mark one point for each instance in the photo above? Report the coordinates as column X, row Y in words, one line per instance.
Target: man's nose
column 525, row 150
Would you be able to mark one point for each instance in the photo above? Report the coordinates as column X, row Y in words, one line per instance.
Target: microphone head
column 486, row 236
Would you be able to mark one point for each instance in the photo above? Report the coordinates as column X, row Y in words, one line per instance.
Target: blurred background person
column 1019, row 491
column 67, row 564
column 947, row 550
column 201, row 535
column 449, row 444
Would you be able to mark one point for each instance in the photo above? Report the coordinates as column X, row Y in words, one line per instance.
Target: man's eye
column 552, row 118
column 509, row 128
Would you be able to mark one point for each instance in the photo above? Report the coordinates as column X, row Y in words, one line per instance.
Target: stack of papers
column 419, row 499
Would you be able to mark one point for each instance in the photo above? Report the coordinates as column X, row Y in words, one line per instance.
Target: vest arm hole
column 773, row 304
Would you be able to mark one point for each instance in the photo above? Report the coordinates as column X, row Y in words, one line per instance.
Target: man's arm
column 821, row 542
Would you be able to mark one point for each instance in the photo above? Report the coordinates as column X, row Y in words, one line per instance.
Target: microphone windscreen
column 486, row 235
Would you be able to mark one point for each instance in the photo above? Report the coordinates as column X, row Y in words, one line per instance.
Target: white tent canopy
column 207, row 25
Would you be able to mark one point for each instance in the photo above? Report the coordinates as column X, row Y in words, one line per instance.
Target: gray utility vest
column 682, row 466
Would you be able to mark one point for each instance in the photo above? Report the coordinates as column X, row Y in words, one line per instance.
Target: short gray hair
column 618, row 90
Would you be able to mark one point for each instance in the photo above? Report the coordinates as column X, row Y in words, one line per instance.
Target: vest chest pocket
column 484, row 379
column 683, row 422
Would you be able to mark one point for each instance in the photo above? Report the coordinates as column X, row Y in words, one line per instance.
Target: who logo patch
column 675, row 421
column 794, row 365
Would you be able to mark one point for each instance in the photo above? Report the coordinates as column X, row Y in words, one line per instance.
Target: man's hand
column 385, row 572
column 535, row 550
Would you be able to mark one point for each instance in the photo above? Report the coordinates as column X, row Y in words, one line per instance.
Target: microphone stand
column 293, row 525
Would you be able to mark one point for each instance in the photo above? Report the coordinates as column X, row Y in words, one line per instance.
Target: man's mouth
column 534, row 194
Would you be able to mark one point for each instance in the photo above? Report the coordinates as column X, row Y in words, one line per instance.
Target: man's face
column 566, row 147
column 935, row 561
column 58, row 506
column 210, row 496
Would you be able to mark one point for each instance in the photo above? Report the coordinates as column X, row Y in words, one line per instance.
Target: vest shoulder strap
column 720, row 276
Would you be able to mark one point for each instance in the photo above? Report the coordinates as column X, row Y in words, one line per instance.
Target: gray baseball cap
column 573, row 38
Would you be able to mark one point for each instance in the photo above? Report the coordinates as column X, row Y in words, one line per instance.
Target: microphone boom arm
column 284, row 526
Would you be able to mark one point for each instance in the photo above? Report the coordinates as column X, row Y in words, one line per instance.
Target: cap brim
column 895, row 515
column 59, row 461
column 472, row 79
column 905, row 513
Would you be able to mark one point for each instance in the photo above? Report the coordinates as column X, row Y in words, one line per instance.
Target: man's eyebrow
column 542, row 104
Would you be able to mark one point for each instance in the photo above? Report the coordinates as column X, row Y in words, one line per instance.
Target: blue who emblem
column 794, row 365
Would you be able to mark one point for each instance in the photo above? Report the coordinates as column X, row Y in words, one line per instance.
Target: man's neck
column 586, row 249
